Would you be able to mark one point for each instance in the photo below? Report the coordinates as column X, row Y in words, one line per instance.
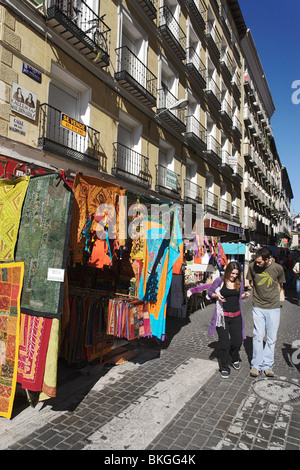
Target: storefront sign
column 23, row 101
column 219, row 225
column 73, row 125
column 235, row 229
column 17, row 125
column 32, row 73
column 171, row 180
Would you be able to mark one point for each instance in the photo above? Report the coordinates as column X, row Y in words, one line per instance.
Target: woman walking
column 227, row 318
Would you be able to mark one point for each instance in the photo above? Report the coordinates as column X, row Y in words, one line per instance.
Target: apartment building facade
column 150, row 94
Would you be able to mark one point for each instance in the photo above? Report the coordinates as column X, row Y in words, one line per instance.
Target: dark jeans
column 230, row 341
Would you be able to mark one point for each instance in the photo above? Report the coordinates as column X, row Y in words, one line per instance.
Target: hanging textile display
column 12, row 194
column 84, row 335
column 34, row 340
column 43, row 244
column 128, row 319
column 11, row 281
column 89, row 194
column 50, row 373
column 160, row 255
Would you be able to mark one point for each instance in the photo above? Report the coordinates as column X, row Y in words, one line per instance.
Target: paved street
column 171, row 397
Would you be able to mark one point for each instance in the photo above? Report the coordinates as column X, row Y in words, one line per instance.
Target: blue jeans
column 266, row 321
column 298, row 288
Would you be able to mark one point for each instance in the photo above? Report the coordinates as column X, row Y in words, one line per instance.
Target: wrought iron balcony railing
column 69, row 138
column 225, row 207
column 237, row 126
column 131, row 165
column 211, row 201
column 193, row 192
column 225, row 162
column 196, row 67
column 195, row 133
column 135, row 76
column 235, row 212
column 237, row 171
column 226, row 112
column 199, row 12
column 167, row 181
column 213, row 39
column 175, row 118
column 213, row 92
column 213, row 148
column 172, row 32
column 149, row 7
column 226, row 64
column 78, row 24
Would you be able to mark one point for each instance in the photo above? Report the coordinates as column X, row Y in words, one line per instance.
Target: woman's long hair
column 229, row 268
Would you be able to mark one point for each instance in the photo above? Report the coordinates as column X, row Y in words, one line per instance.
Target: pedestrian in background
column 266, row 278
column 227, row 317
column 296, row 271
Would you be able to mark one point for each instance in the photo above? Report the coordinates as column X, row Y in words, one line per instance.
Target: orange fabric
column 99, row 257
column 178, row 263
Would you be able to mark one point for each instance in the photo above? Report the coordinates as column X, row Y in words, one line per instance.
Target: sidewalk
column 171, row 397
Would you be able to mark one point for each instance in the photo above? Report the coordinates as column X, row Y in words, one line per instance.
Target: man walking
column 266, row 278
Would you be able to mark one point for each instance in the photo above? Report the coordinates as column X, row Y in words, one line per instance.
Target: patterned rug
column 11, row 280
column 12, row 193
column 43, row 244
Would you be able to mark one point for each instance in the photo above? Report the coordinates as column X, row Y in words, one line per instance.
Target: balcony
column 225, row 162
column 149, row 7
column 237, row 171
column 226, row 66
column 135, row 77
column 130, row 165
column 236, row 84
column 81, row 28
column 236, row 127
column 196, row 67
column 172, row 32
column 213, row 40
column 225, row 23
column 213, row 93
column 211, row 203
column 199, row 12
column 174, row 118
column 195, row 134
column 235, row 213
column 226, row 113
column 167, row 182
column 213, row 149
column 225, row 208
column 69, row 138
column 192, row 192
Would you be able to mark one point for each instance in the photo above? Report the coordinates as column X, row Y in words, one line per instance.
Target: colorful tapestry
column 89, row 194
column 128, row 319
column 11, row 281
column 12, row 194
column 160, row 256
column 43, row 244
column 34, row 340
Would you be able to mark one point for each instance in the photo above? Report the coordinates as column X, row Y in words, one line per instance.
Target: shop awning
column 234, row 248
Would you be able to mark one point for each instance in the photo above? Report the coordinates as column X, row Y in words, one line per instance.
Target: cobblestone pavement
column 171, row 397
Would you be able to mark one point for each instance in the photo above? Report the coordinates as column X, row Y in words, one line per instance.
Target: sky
column 274, row 25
